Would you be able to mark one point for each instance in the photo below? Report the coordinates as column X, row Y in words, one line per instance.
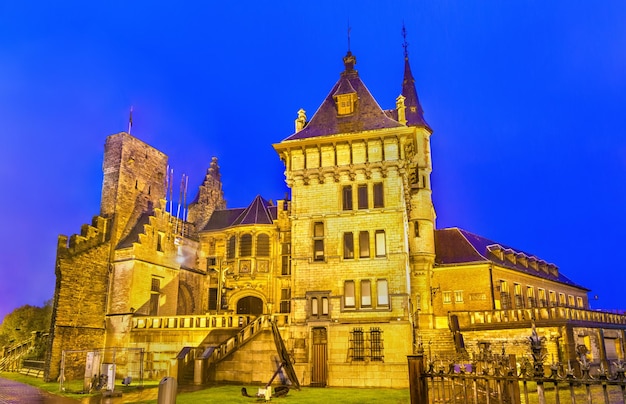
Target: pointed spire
column 414, row 111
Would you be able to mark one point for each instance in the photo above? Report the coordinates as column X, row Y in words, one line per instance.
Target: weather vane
column 349, row 29
column 405, row 44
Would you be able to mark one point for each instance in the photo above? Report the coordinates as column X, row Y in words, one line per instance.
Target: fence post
column 418, row 386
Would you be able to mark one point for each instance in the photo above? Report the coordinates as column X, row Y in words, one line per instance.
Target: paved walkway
column 12, row 392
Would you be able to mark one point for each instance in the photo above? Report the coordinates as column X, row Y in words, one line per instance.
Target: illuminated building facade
column 351, row 266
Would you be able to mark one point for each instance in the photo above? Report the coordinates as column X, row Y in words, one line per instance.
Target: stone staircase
column 437, row 342
column 215, row 348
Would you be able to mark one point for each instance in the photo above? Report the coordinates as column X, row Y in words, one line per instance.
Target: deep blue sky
column 527, row 101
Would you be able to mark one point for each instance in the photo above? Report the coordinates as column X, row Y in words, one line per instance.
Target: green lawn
column 231, row 393
column 313, row 395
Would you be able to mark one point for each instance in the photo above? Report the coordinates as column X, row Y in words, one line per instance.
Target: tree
column 18, row 325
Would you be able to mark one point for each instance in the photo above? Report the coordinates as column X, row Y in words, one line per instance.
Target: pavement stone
column 12, row 392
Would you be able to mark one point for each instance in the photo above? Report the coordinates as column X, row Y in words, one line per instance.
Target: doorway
column 250, row 305
column 318, row 373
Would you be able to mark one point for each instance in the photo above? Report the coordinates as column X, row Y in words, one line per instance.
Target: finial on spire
column 405, row 44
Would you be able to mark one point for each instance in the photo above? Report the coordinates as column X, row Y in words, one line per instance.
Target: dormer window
column 345, row 103
column 345, row 98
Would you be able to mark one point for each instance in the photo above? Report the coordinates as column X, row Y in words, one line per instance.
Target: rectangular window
column 561, row 299
column 530, row 295
column 416, row 228
column 579, row 302
column 382, row 292
column 348, row 245
column 519, row 298
column 285, row 266
column 447, row 296
column 505, row 297
column 378, row 195
column 552, row 294
column 324, row 306
column 542, row 298
column 458, row 296
column 376, row 344
column 366, row 293
column 357, row 345
column 155, row 286
column 364, row 244
column 285, row 300
column 381, row 248
column 570, row 301
column 346, row 192
column 348, row 294
column 212, row 299
column 318, row 241
column 319, row 305
column 362, row 196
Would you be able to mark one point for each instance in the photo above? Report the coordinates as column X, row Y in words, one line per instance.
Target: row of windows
column 531, row 300
column 245, row 246
column 380, row 243
column 363, row 296
column 362, row 193
column 380, row 249
column 366, row 344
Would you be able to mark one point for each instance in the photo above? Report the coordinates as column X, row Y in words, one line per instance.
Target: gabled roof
column 367, row 115
column 258, row 212
column 456, row 246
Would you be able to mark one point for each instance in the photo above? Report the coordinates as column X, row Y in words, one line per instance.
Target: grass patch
column 308, row 395
column 72, row 388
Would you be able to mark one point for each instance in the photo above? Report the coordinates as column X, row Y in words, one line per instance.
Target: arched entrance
column 185, row 304
column 250, row 305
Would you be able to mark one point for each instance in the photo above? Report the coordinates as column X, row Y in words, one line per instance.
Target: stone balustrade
column 205, row 321
column 541, row 315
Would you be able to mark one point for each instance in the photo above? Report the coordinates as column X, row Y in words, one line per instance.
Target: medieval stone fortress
column 350, row 266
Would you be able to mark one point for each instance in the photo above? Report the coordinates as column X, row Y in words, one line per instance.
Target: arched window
column 231, row 245
column 263, row 245
column 245, row 245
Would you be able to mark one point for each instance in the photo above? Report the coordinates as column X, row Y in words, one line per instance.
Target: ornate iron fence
column 490, row 378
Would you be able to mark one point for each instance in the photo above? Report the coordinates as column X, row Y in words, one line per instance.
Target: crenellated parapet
column 90, row 236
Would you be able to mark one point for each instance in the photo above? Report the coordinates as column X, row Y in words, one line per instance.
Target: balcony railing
column 201, row 322
column 545, row 315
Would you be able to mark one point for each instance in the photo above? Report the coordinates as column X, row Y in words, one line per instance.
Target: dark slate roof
column 258, row 212
column 414, row 112
column 458, row 246
column 367, row 116
column 138, row 228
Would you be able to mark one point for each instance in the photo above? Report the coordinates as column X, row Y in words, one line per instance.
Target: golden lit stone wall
column 79, row 300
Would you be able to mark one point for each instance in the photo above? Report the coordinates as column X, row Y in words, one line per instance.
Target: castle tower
column 133, row 183
column 421, row 212
column 350, row 169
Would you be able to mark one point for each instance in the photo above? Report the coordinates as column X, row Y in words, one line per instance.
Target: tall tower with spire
column 362, row 222
column 420, row 209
